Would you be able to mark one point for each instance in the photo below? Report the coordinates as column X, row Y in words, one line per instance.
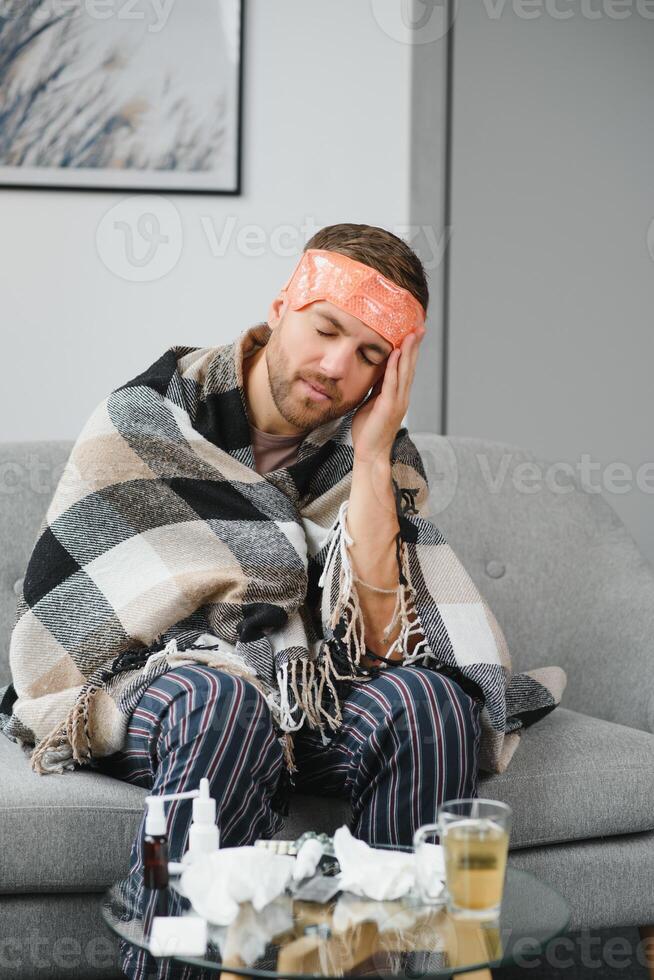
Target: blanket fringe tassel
column 308, row 693
column 70, row 742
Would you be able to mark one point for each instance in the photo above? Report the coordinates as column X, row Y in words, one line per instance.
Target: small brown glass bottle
column 155, row 855
column 155, row 862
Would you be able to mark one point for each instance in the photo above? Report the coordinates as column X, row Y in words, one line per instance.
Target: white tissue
column 178, row 935
column 378, row 873
column 307, row 859
column 217, row 885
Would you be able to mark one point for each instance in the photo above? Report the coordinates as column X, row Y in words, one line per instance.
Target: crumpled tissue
column 231, row 875
column 382, row 874
column 307, row 859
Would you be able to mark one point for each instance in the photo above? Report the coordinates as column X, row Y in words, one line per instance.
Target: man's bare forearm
column 373, row 525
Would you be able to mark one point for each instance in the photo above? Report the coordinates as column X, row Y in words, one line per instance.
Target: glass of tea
column 474, row 834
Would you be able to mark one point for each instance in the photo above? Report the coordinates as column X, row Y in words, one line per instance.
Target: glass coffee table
column 353, row 937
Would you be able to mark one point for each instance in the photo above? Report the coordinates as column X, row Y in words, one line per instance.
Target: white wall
column 552, row 281
column 313, row 155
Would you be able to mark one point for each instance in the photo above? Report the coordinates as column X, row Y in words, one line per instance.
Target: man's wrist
column 380, row 463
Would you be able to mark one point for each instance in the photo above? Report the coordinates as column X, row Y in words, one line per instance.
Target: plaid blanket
column 163, row 546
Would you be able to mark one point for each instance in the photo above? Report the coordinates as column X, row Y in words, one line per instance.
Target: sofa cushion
column 575, row 777
column 63, row 832
column 73, row 832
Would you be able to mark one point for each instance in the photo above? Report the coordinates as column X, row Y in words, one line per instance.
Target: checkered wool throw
column 164, row 546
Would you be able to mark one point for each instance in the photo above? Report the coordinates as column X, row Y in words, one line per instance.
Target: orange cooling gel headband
column 356, row 288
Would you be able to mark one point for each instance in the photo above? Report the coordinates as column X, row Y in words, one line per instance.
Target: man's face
column 322, row 345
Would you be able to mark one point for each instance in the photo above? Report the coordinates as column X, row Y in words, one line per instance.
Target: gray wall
column 73, row 329
column 552, row 282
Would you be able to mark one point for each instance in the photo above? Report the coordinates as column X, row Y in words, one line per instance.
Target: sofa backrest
column 556, row 565
column 29, row 474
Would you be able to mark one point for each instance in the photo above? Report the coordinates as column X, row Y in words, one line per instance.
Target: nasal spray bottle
column 203, row 836
column 155, row 853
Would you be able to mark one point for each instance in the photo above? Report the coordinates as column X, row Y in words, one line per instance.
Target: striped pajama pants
column 409, row 740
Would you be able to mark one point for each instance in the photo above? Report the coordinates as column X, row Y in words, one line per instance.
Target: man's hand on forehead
column 376, row 422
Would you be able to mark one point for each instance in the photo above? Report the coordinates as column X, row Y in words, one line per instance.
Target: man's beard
column 298, row 409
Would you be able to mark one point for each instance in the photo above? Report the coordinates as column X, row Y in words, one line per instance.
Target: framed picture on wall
column 121, row 94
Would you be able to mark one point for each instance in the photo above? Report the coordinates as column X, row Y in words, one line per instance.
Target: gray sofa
column 569, row 587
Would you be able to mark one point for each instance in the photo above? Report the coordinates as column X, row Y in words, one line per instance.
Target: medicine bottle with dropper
column 155, row 844
column 155, row 854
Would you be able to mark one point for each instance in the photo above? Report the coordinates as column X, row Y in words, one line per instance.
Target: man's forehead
column 353, row 326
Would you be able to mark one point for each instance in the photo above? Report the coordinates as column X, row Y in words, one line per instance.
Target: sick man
column 238, row 580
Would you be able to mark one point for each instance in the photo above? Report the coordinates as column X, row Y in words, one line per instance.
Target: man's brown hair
column 380, row 249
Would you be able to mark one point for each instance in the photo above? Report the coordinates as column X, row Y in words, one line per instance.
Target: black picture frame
column 159, row 185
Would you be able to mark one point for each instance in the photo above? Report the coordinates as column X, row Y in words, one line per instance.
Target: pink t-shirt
column 271, row 452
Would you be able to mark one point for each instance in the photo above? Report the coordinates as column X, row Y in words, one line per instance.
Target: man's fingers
column 408, row 363
column 391, row 366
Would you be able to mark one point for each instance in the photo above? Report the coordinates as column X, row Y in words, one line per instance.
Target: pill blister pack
column 327, row 866
column 293, row 846
column 278, row 846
